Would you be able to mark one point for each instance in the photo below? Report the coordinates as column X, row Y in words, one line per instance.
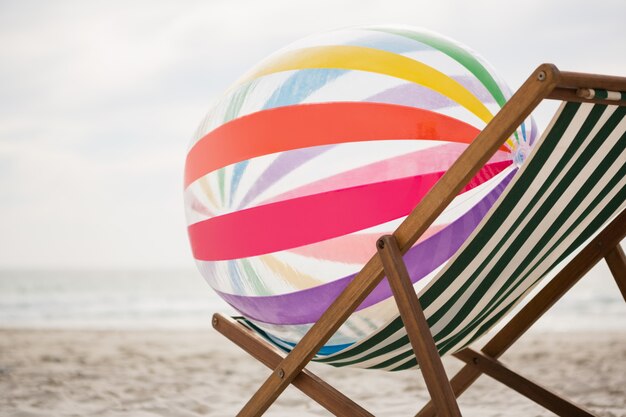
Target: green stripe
column 595, row 225
column 589, row 231
column 492, row 224
column 515, row 246
column 220, row 183
column 261, row 332
column 237, row 99
column 604, row 95
column 370, row 343
column 491, row 322
column 601, row 94
column 601, row 219
column 457, row 53
column 407, row 365
column 403, row 341
column 593, row 179
column 406, row 354
column 260, row 288
column 257, row 329
column 508, row 205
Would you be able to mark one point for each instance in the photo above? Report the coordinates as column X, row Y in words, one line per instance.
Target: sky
column 99, row 100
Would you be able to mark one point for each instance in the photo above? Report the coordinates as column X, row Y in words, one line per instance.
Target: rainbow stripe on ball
column 323, row 147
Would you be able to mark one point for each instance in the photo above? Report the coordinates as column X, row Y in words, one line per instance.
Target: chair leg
column 307, row 382
column 338, row 312
column 603, row 244
column 542, row 396
column 417, row 328
column 617, row 264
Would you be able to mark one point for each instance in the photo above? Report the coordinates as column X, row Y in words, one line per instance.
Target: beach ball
column 322, row 148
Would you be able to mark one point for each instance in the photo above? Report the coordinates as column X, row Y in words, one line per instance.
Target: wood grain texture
column 528, row 388
column 417, row 328
column 307, row 382
column 577, row 80
column 578, row 267
column 617, row 264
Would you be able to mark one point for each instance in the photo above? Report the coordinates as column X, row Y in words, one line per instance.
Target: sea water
column 107, row 299
column 180, row 299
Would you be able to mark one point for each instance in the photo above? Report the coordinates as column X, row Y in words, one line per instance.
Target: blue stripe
column 324, row 351
column 300, row 85
column 294, row 90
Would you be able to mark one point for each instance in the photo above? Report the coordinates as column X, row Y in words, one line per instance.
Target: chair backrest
column 573, row 183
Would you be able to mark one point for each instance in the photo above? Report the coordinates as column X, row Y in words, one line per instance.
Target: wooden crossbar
column 603, row 244
column 306, row 381
column 530, row 389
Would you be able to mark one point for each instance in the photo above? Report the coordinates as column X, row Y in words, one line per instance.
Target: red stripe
column 304, row 220
column 305, row 125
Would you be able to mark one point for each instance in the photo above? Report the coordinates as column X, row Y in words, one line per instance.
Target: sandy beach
column 199, row 373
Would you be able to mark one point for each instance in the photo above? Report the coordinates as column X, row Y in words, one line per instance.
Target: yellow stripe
column 208, row 192
column 372, row 60
column 298, row 279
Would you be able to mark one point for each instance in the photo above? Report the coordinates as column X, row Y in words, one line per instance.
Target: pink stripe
column 200, row 208
column 356, row 248
column 435, row 159
column 301, row 221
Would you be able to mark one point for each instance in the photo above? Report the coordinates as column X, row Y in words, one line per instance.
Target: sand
column 199, row 373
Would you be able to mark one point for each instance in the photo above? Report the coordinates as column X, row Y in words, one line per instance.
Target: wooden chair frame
column 546, row 82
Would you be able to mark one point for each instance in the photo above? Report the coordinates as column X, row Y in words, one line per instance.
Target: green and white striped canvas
column 573, row 183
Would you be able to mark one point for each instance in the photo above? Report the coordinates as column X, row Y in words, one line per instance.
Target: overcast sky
column 99, row 99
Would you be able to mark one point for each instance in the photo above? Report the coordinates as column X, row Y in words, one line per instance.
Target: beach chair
column 569, row 194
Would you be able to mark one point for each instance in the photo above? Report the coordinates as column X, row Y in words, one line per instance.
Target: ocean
column 180, row 299
column 101, row 299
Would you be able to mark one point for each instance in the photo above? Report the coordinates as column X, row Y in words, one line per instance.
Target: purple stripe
column 413, row 95
column 416, row 95
column 306, row 306
column 281, row 166
column 533, row 134
column 477, row 88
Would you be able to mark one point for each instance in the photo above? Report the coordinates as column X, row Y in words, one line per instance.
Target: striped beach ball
column 325, row 146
